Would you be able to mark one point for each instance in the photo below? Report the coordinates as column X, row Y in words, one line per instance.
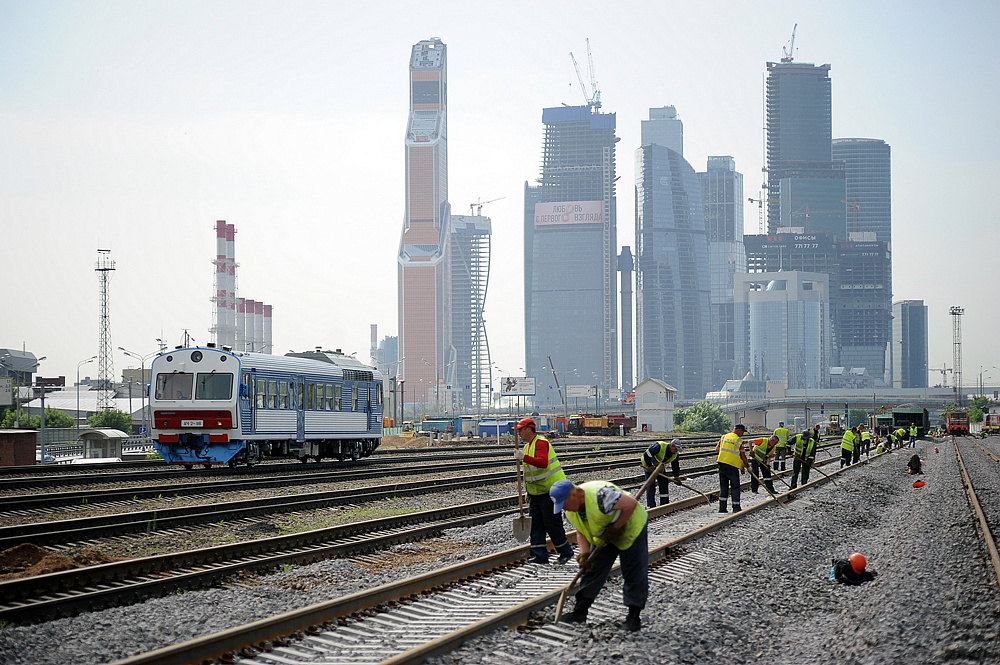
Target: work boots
column 579, row 613
column 722, row 506
column 632, row 622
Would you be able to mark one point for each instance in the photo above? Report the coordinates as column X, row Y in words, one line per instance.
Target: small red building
column 17, row 447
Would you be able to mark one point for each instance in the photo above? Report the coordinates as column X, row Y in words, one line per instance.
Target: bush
column 111, row 419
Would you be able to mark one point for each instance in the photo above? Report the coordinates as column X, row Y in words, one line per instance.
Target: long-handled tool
column 593, row 552
column 815, row 468
column 522, row 524
column 683, row 484
column 759, row 482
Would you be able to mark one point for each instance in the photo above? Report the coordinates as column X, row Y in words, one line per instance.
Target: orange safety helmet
column 858, row 562
column 526, row 422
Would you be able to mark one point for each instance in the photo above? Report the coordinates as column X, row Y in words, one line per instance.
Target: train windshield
column 214, row 385
column 174, row 386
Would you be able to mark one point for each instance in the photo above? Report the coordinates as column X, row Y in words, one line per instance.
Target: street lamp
column 142, row 370
column 981, row 372
column 82, row 362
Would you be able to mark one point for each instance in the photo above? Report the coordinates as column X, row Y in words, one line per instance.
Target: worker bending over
column 804, row 452
column 664, row 453
column 761, row 451
column 605, row 515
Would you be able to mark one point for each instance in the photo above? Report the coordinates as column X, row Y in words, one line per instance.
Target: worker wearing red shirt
column 541, row 471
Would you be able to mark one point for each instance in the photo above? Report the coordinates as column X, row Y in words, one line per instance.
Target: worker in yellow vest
column 866, row 443
column 606, row 515
column 542, row 470
column 781, row 447
column 914, row 433
column 732, row 459
column 847, row 446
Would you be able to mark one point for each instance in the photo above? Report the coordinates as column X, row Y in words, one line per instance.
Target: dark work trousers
column 634, row 567
column 545, row 522
column 664, row 484
column 845, row 457
column 856, row 455
column 798, row 465
column 729, row 483
column 780, row 455
column 762, row 471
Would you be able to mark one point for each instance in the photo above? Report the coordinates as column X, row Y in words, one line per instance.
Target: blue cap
column 781, row 423
column 559, row 492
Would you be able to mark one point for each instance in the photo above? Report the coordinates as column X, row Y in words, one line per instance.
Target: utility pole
column 105, row 356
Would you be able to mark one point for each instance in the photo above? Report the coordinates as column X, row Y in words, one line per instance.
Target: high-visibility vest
column 597, row 521
column 804, row 447
column 880, row 448
column 538, row 481
column 913, row 430
column 651, row 460
column 866, row 436
column 847, row 443
column 760, row 450
column 729, row 450
column 782, row 434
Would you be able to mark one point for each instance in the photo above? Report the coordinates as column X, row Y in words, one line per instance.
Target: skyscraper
column 863, row 306
column 805, row 187
column 909, row 344
column 722, row 191
column 783, row 327
column 424, row 289
column 868, row 175
column 673, row 286
column 570, row 248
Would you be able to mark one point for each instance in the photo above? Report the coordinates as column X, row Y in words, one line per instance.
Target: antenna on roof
column 788, row 54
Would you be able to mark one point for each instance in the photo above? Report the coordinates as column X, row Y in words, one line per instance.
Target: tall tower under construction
column 425, row 348
column 570, row 252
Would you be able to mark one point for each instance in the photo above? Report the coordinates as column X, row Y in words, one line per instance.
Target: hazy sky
column 134, row 125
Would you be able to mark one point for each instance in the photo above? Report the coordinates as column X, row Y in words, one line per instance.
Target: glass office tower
column 805, row 187
column 909, row 344
column 783, row 327
column 868, row 177
column 570, row 255
column 722, row 191
column 673, row 283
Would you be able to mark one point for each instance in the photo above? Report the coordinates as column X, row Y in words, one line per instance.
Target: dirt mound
column 391, row 441
column 28, row 560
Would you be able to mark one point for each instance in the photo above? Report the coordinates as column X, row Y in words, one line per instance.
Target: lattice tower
column 105, row 356
column 956, row 344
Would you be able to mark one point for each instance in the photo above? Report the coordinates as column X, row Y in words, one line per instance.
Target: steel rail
column 980, row 515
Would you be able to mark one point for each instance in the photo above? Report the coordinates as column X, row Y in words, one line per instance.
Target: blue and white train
column 212, row 406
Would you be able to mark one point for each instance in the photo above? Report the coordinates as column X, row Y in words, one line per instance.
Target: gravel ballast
column 768, row 599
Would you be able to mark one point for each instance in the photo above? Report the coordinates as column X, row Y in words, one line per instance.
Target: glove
column 519, row 455
column 743, row 470
column 610, row 534
column 584, row 561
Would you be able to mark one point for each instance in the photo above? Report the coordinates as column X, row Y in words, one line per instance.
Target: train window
column 320, row 402
column 174, row 386
column 311, row 390
column 283, row 395
column 354, row 398
column 245, row 392
column 260, row 400
column 272, row 394
column 302, row 396
column 337, row 398
column 329, row 397
column 378, row 394
column 214, row 385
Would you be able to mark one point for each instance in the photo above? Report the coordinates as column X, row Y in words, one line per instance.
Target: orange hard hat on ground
column 858, row 562
column 525, row 422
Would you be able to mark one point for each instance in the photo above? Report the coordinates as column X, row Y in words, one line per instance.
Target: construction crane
column 788, row 54
column 594, row 98
column 476, row 208
column 855, row 209
column 944, row 374
column 760, row 214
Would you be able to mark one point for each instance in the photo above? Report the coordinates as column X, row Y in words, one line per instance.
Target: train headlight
column 196, row 356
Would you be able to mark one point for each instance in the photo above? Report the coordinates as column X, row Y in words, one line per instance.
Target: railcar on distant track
column 211, row 406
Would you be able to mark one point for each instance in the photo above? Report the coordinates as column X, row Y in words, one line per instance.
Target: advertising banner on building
column 588, row 392
column 569, row 212
column 517, row 385
column 6, row 391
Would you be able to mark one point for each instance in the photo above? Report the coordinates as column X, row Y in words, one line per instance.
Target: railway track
column 985, row 502
column 431, row 614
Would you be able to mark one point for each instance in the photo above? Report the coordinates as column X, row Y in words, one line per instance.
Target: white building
column 654, row 406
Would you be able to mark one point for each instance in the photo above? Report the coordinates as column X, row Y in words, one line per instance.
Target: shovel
column 761, row 483
column 522, row 524
column 683, row 484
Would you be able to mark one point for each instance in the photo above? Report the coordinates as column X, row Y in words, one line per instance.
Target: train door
column 246, row 403
column 300, row 410
column 368, row 407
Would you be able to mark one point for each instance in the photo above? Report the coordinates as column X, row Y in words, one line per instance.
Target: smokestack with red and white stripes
column 267, row 329
column 249, row 340
column 231, row 285
column 258, row 326
column 241, row 325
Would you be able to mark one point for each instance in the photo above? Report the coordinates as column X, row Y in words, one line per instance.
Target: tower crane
column 788, row 54
column 476, row 208
column 760, row 213
column 594, row 98
column 944, row 374
column 855, row 209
